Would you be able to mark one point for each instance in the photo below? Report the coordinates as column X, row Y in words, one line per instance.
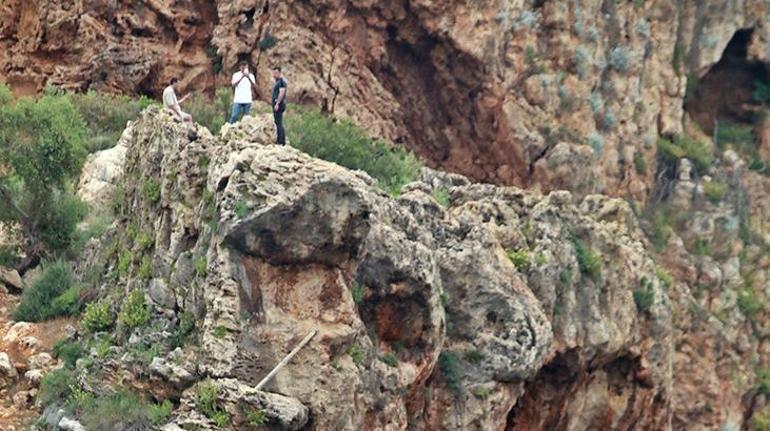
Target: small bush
column 441, row 195
column 56, row 386
column 44, row 299
column 481, row 392
column 145, row 240
column 356, row 354
column 474, row 356
column 665, row 277
column 661, row 230
column 121, row 410
column 699, row 153
column 68, row 351
column 344, row 143
column 640, row 165
column 241, row 209
column 151, row 190
column 200, row 266
column 565, row 277
column 219, row 331
column 644, row 296
column 256, row 417
column 134, row 312
column 619, row 59
column 358, row 291
column 714, row 191
column 58, row 226
column 159, row 413
column 206, row 401
column 97, row 317
column 449, row 365
column 589, row 261
column 750, row 305
column 519, row 258
column 267, row 42
column 390, row 359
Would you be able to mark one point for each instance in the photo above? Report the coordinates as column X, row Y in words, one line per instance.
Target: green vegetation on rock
column 55, row 293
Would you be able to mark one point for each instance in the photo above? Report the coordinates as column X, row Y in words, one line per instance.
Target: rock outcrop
column 549, row 95
column 501, row 310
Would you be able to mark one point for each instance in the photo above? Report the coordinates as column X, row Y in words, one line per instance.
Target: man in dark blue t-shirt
column 279, row 103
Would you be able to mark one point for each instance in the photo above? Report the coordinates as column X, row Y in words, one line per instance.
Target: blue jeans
column 238, row 109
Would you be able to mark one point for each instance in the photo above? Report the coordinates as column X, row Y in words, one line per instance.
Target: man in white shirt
column 171, row 103
column 242, row 82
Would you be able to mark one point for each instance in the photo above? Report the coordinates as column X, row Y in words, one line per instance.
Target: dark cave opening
column 724, row 94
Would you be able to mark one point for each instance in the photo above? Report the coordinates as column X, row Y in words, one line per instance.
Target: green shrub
column 145, row 240
column 665, row 277
column 211, row 113
column 50, row 296
column 356, row 354
column 106, row 116
column 589, row 261
column 481, row 392
column 763, row 381
column 151, row 190
column 159, row 413
column 750, row 304
column 56, row 386
column 241, row 209
column 474, row 356
column 714, row 191
column 703, row 248
column 97, row 317
column 760, row 420
column 121, row 410
column 644, row 296
column 200, row 266
column 206, row 401
column 640, row 164
column 185, row 330
column 565, row 276
column 449, row 365
column 519, row 258
column 358, row 291
column 267, row 42
column 134, row 312
column 699, row 153
column 540, row 259
column 390, row 359
column 125, row 259
column 661, row 230
column 145, row 268
column 441, row 195
column 219, row 331
column 58, row 228
column 344, row 143
column 68, row 351
column 256, row 417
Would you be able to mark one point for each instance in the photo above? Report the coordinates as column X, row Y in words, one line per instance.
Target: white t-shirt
column 243, row 89
column 169, row 97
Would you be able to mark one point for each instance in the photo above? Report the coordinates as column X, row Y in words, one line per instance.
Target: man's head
column 276, row 72
column 244, row 66
column 173, row 82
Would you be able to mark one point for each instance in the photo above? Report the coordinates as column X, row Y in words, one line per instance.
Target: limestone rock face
column 552, row 95
column 504, row 309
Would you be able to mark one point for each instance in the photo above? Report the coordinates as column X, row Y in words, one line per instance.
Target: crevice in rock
column 724, row 93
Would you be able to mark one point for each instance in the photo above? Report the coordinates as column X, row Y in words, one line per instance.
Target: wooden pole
column 286, row 359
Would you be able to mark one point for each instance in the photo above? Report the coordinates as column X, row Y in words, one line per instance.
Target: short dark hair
column 174, row 80
column 276, row 67
column 243, row 63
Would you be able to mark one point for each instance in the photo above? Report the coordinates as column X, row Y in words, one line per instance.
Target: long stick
column 286, row 359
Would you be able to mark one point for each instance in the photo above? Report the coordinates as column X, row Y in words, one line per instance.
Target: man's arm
column 237, row 80
column 252, row 79
column 281, row 95
column 183, row 98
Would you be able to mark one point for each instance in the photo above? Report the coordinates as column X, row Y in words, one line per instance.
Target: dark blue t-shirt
column 279, row 83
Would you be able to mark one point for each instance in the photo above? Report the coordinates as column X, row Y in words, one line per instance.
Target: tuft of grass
column 481, row 392
column 145, row 268
column 68, row 351
column 714, row 191
column 665, row 277
column 200, row 266
column 474, row 356
column 449, row 364
column 390, row 359
column 640, row 165
column 219, row 331
column 565, row 276
column 159, row 413
column 644, row 296
column 256, row 418
column 589, row 261
column 356, row 354
column 441, row 195
column 241, row 209
column 145, row 240
column 151, row 190
column 206, row 401
column 57, row 385
column 700, row 153
column 519, row 258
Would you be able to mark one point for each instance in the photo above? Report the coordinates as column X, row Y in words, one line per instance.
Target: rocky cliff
column 512, row 92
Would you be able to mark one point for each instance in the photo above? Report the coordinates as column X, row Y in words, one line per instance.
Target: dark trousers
column 278, row 116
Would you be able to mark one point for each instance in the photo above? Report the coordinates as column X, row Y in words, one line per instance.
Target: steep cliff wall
column 553, row 95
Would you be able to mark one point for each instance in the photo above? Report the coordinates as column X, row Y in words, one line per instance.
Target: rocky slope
column 544, row 94
column 502, row 310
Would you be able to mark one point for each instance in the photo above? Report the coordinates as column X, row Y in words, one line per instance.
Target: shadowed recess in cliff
column 724, row 93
